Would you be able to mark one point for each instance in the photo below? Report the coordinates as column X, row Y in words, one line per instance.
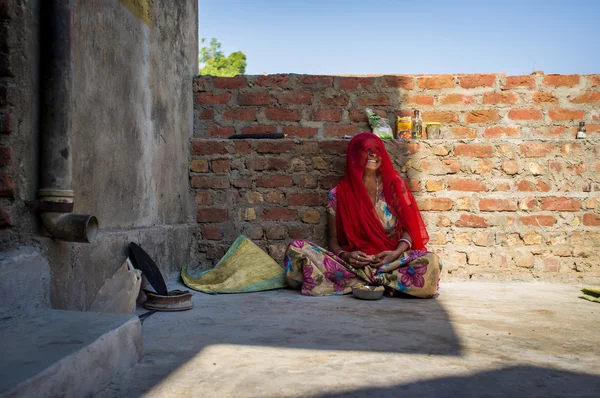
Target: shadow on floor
column 518, row 381
column 286, row 319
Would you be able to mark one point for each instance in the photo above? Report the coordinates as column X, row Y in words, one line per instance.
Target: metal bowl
column 368, row 292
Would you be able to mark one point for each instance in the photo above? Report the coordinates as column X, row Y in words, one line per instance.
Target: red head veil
column 358, row 226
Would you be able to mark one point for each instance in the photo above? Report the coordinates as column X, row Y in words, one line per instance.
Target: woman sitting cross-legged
column 376, row 233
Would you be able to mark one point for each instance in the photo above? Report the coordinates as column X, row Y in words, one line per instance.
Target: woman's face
column 373, row 161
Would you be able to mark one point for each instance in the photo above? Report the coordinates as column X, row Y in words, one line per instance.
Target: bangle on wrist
column 407, row 242
column 340, row 252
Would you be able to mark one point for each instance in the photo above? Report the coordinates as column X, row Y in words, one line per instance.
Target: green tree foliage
column 213, row 62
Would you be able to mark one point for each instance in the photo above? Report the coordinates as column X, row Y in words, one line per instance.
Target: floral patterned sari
column 319, row 272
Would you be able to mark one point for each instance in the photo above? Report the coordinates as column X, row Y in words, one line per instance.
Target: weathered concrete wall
column 132, row 116
column 508, row 193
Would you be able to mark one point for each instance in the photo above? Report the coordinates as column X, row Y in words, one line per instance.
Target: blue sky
column 396, row 36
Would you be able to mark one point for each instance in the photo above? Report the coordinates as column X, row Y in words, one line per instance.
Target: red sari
column 358, row 225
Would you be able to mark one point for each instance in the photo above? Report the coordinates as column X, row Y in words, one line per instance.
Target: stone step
column 49, row 353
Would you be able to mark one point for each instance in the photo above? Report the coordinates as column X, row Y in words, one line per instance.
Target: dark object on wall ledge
column 259, row 136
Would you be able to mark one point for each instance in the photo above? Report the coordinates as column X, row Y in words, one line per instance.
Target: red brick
column 413, row 184
column 471, row 221
column 295, row 98
column 231, row 82
column 282, row 115
column 525, row 114
column 199, row 166
column 212, row 215
column 276, row 181
column 333, row 147
column 435, row 204
column 525, row 186
column 538, row 221
column 501, row 132
column 417, row 100
column 278, row 164
column 502, row 187
column 240, row 114
column 212, row 232
column 300, row 233
column 260, row 129
column 327, row 115
column 591, row 220
column 355, row 82
column 561, row 80
column 275, row 146
column 212, row 99
column 565, row 114
column 256, row 163
column 209, row 182
column 489, row 204
column 305, row 199
column 241, row 148
column 279, row 214
column 456, row 99
column 5, row 122
column 279, row 80
column 207, row 114
column 220, row 165
column 7, row 185
column 536, row 150
column 452, row 166
column 377, row 99
column 436, row 82
column 474, row 81
column 394, row 81
column 440, row 116
column 317, row 81
column 500, row 98
column 5, row 156
column 519, row 81
column 241, row 182
column 549, row 131
column 594, row 80
column 329, row 181
column 335, row 100
column 204, row 198
column 215, row 130
column 544, row 98
column 205, row 147
column 300, row 132
column 474, row 150
column 466, row 185
column 560, row 204
column 464, row 132
column 360, row 116
column 340, row 130
column 482, row 116
column 254, row 98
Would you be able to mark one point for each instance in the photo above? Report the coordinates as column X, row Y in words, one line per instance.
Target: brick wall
column 507, row 194
column 6, row 122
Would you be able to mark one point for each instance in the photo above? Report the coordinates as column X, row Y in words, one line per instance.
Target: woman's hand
column 386, row 257
column 357, row 258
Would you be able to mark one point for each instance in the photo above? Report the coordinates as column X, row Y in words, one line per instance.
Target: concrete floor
column 475, row 340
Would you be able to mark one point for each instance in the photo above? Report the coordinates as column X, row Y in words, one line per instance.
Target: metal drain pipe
column 56, row 195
